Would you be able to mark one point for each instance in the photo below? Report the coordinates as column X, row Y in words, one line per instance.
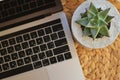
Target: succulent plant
column 95, row 22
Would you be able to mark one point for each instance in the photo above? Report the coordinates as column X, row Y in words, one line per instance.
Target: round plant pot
column 98, row 42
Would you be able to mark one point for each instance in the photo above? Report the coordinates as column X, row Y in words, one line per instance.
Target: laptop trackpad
column 38, row 74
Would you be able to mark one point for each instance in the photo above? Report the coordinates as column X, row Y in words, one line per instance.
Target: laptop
column 35, row 42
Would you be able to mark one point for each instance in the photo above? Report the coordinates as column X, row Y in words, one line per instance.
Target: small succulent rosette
column 96, row 23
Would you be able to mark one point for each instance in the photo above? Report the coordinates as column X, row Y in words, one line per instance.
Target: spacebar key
column 16, row 71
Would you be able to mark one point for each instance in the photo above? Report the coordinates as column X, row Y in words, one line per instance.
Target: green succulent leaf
column 103, row 14
column 87, row 32
column 93, row 9
column 102, row 23
column 94, row 22
column 104, row 31
column 94, row 32
column 90, row 14
column 108, row 19
column 83, row 21
column 90, row 25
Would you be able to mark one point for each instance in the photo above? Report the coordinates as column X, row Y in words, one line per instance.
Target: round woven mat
column 97, row 64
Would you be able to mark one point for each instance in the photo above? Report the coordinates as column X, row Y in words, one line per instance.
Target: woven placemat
column 97, row 64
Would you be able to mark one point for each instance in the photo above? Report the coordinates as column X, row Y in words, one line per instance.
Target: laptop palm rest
column 38, row 74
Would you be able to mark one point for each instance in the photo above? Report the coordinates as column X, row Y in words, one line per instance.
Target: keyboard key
column 60, row 42
column 34, row 58
column 32, row 43
column 20, row 62
column 41, row 32
column 21, row 54
column 4, row 13
column 39, row 41
column 18, row 47
column 0, row 46
column 42, row 55
column 48, row 30
column 54, row 36
column 19, row 39
column 25, row 45
column 43, row 47
column 14, row 56
column 3, row 52
column 61, row 34
column 20, row 2
column 12, row 41
column 40, row 2
column 33, row 34
column 27, row 1
column 5, row 43
column 50, row 45
column 10, row 49
column 36, row 49
column 29, row 51
column 57, row 27
column 45, row 62
column 6, row 5
column 0, row 69
column 16, row 71
column 19, row 9
column 0, row 16
column 13, row 64
column 33, row 4
column 68, row 55
column 49, row 53
column 60, row 50
column 27, row 60
column 60, row 58
column 26, row 7
column 47, row 38
column 26, row 37
column 1, row 7
column 5, row 66
column 48, row 1
column 53, row 60
column 13, row 3
column 1, row 60
column 11, row 11
column 37, row 64
column 7, row 58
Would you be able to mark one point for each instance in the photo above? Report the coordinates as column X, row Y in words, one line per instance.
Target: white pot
column 100, row 42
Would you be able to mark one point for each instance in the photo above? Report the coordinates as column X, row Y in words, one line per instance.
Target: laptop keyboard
column 11, row 9
column 33, row 48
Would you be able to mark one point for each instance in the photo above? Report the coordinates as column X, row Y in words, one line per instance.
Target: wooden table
column 97, row 64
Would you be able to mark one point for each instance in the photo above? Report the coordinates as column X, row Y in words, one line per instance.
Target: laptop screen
column 14, row 11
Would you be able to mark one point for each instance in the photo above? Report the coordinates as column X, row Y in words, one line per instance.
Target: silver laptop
column 35, row 42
